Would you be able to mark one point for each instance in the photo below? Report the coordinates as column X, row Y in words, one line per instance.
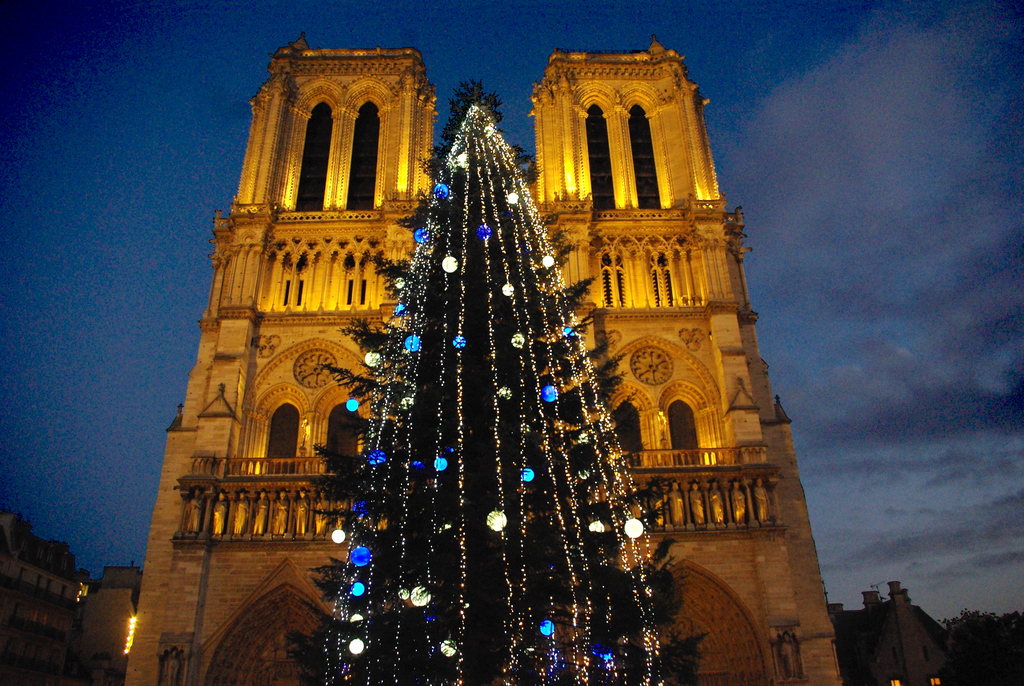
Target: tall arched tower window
column 342, row 437
column 627, row 427
column 644, row 170
column 315, row 153
column 601, row 189
column 284, row 432
column 681, row 426
column 362, row 182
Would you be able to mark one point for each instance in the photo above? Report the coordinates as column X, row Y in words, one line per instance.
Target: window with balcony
column 315, row 154
column 627, row 427
column 681, row 426
column 601, row 189
column 342, row 432
column 362, row 182
column 284, row 432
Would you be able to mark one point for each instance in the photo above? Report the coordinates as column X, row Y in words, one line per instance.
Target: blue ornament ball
column 360, row 556
column 441, row 191
column 528, row 474
column 359, row 507
column 377, row 457
column 351, row 404
column 548, row 394
column 440, row 464
column 568, row 332
column 418, row 465
column 358, row 588
column 399, row 310
column 484, row 232
column 547, row 627
column 421, row 235
column 412, row 343
column 459, row 341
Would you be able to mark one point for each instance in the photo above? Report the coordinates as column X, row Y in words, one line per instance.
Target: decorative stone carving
column 310, row 368
column 266, row 345
column 786, row 648
column 651, row 365
column 692, row 338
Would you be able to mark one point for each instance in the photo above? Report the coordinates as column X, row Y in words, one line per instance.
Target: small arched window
column 661, row 280
column 644, row 170
column 315, row 153
column 284, row 432
column 601, row 189
column 342, row 432
column 627, row 427
column 613, row 281
column 681, row 426
column 362, row 182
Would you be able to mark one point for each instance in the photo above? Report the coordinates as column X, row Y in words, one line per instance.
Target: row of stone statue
column 278, row 513
column 714, row 505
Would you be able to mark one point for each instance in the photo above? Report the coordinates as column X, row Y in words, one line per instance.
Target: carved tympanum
column 310, row 368
column 650, row 365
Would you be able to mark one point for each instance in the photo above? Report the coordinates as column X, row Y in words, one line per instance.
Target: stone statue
column 320, row 521
column 220, row 515
column 241, row 514
column 789, row 656
column 193, row 510
column 259, row 527
column 760, row 501
column 301, row 514
column 739, row 504
column 280, row 525
column 715, row 505
column 170, row 672
column 696, row 505
column 675, row 506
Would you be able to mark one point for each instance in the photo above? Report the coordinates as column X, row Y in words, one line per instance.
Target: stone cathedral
column 334, row 160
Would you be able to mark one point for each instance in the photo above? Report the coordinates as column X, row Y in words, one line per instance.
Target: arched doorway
column 731, row 653
column 254, row 651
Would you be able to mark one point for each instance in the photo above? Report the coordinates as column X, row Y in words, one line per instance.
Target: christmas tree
column 494, row 533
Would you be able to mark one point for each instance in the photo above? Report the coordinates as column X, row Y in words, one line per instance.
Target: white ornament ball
column 372, row 359
column 584, row 437
column 518, row 340
column 356, row 646
column 548, row 261
column 448, row 648
column 513, row 198
column 596, row 526
column 463, row 160
column 407, row 402
column 634, row 528
column 505, row 392
column 399, row 284
column 356, row 618
column 403, row 593
column 508, row 290
column 420, row 596
column 449, row 264
column 496, row 520
column 338, row 536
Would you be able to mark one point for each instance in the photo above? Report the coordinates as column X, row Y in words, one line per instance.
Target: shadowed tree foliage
column 984, row 650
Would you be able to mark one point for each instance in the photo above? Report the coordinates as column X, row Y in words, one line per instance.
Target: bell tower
column 334, row 159
column 626, row 172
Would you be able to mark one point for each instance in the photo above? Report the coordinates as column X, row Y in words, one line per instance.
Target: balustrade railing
column 257, row 466
column 700, row 457
column 37, row 592
column 37, row 628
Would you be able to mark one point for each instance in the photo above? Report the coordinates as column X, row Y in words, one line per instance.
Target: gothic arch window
column 362, row 181
column 627, row 427
column 284, row 432
column 315, row 153
column 602, row 191
column 342, row 434
column 681, row 426
column 661, row 280
column 613, row 281
column 644, row 170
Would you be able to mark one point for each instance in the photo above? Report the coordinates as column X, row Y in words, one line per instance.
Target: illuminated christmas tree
column 494, row 533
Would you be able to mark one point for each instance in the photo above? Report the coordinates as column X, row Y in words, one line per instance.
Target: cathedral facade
column 333, row 162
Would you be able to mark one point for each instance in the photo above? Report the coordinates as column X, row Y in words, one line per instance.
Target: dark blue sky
column 876, row 149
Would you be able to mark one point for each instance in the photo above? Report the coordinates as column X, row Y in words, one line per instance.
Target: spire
column 780, row 414
column 656, row 48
